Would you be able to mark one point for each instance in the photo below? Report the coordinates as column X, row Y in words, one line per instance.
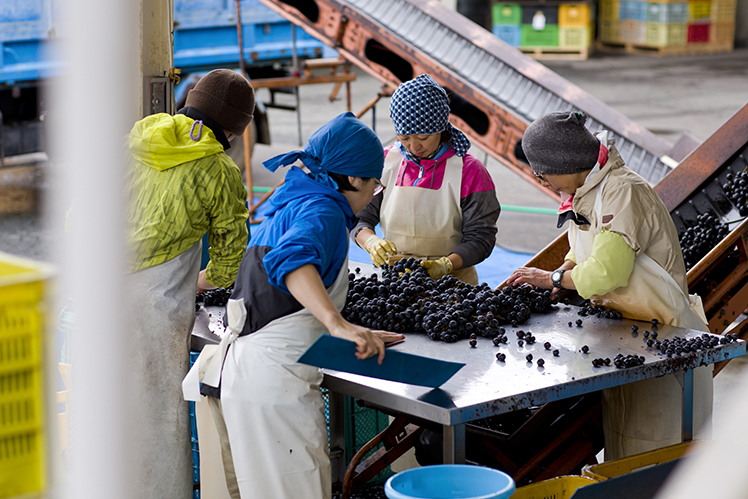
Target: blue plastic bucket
column 450, row 481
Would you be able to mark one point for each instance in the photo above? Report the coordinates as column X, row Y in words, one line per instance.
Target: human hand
column 202, row 283
column 531, row 275
column 438, row 268
column 368, row 342
column 380, row 250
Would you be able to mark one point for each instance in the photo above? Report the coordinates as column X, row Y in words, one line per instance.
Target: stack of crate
column 546, row 29
column 665, row 26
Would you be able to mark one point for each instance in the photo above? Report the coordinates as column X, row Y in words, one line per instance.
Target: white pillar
column 94, row 104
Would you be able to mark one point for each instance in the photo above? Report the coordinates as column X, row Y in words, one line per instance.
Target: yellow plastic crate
column 562, row 487
column 609, row 10
column 574, row 15
column 22, row 425
column 723, row 10
column 722, row 32
column 610, row 31
column 666, row 34
column 574, row 37
column 699, row 11
column 612, row 469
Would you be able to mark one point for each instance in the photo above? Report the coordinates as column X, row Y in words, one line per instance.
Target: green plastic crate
column 507, row 14
column 547, row 37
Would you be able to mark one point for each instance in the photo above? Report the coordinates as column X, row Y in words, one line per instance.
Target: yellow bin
column 562, row 487
column 612, row 469
column 22, row 427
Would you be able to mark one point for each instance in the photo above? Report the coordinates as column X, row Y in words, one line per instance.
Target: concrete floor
column 668, row 95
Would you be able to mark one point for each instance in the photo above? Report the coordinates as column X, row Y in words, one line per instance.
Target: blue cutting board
column 338, row 354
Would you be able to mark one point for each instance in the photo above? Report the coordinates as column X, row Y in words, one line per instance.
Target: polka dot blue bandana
column 421, row 107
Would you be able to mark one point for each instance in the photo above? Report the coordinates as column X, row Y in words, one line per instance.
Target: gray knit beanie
column 559, row 144
column 226, row 97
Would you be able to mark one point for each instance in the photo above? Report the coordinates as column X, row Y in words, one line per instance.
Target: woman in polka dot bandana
column 440, row 203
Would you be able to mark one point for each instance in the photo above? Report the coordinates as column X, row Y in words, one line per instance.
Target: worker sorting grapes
column 440, row 203
column 292, row 284
column 182, row 185
column 625, row 256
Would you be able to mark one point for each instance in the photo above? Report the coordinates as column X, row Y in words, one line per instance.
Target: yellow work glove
column 438, row 268
column 380, row 250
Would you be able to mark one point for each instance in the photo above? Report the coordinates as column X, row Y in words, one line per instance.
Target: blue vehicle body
column 205, row 37
column 27, row 28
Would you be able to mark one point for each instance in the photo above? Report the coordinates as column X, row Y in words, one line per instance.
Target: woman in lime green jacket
column 181, row 185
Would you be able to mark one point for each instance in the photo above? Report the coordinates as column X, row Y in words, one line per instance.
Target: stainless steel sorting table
column 486, row 387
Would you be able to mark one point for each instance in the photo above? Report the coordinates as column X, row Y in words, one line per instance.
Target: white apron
column 647, row 415
column 163, row 313
column 273, row 409
column 424, row 223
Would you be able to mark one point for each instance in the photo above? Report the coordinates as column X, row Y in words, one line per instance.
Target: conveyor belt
column 495, row 90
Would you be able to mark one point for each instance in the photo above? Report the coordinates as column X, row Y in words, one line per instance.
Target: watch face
column 556, row 276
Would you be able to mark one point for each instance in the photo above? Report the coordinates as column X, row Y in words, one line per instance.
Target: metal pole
column 240, row 37
column 2, row 151
column 296, row 72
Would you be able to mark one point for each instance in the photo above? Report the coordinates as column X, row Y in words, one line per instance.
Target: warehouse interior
column 679, row 116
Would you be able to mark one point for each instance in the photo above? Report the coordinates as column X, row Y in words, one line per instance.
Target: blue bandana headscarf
column 343, row 145
column 420, row 106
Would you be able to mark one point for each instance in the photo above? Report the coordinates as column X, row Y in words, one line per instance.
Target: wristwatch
column 556, row 277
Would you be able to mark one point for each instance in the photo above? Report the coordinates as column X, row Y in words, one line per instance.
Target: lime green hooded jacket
column 181, row 188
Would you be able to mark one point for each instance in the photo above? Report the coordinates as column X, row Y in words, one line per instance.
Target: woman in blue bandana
column 293, row 282
column 440, row 204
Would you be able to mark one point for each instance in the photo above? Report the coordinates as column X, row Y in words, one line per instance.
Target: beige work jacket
column 633, row 210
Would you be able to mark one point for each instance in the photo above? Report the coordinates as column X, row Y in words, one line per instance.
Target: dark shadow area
column 379, row 54
column 308, row 8
column 474, row 117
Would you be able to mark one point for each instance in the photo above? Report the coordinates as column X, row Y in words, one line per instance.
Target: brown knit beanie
column 559, row 144
column 226, row 97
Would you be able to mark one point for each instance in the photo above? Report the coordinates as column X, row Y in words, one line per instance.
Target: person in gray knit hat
column 559, row 144
column 182, row 185
column 624, row 255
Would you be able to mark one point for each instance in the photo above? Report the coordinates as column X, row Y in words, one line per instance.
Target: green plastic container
column 547, row 37
column 506, row 14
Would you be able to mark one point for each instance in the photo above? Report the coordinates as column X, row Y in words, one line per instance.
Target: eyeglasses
column 379, row 188
column 539, row 176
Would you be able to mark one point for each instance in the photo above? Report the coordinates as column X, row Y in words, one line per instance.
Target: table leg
column 454, row 444
column 337, row 436
column 688, row 405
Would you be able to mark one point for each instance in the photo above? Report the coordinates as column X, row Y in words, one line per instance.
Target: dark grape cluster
column 736, row 189
column 600, row 362
column 215, row 297
column 623, row 361
column 588, row 309
column 699, row 238
column 406, row 299
column 681, row 346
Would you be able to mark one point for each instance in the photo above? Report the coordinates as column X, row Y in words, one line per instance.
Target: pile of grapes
column 215, row 297
column 681, row 346
column 699, row 239
column 588, row 309
column 736, row 189
column 406, row 299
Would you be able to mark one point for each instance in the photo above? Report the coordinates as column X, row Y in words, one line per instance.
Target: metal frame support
column 454, row 444
column 337, row 436
column 687, row 421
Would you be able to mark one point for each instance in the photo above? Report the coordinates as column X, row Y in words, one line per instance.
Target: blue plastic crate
column 508, row 33
column 195, row 443
column 632, row 10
